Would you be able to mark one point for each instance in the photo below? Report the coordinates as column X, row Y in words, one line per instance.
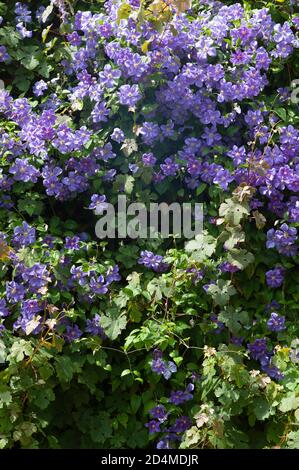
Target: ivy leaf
column 5, row 398
column 289, row 403
column 233, row 212
column 113, row 323
column 233, row 319
column 2, row 352
column 221, row 291
column 240, row 258
column 47, row 12
column 64, row 368
column 202, row 247
column 123, row 12
column 19, row 350
column 129, row 146
column 30, row 62
column 261, row 408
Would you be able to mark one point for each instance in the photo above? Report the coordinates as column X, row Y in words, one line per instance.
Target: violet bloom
column 98, row 285
column 169, row 167
column 93, row 327
column 227, row 267
column 39, row 88
column 113, row 275
column 72, row 243
column 148, row 159
column 275, row 277
column 276, row 322
column 4, row 312
column 159, row 413
column 152, row 261
column 22, row 13
column 79, row 275
column 273, row 372
column 117, row 135
column 98, row 203
column 3, row 54
column 223, row 178
column 181, row 424
column 14, row 292
column 72, row 333
column 258, row 349
column 129, row 95
column 164, row 368
column 24, row 235
column 153, row 426
column 178, row 397
column 23, row 171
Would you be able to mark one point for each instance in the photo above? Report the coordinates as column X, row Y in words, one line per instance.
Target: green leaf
column 113, row 323
column 221, row 291
column 233, row 212
column 30, row 62
column 261, row 408
column 5, row 398
column 19, row 350
column 202, row 247
column 240, row 258
column 64, row 368
column 123, row 12
column 281, row 112
column 47, row 12
column 135, row 403
column 2, row 352
column 289, row 403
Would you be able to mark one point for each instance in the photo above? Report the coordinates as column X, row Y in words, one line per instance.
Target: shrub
column 149, row 342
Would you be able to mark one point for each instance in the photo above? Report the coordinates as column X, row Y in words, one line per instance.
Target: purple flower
column 100, row 112
column 23, row 31
column 109, row 76
column 153, row 426
column 72, row 243
column 72, row 333
column 79, row 275
column 273, row 372
column 164, row 368
column 148, row 159
column 98, row 285
column 275, row 277
column 152, row 261
column 223, row 178
column 276, row 322
column 169, row 167
column 258, row 349
column 24, row 235
column 22, row 12
column 14, row 291
column 4, row 312
column 113, row 275
column 3, row 54
column 39, row 88
column 23, row 171
column 98, row 203
column 227, row 267
column 159, row 413
column 117, row 135
column 94, row 327
column 129, row 95
column 180, row 396
column 181, row 424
